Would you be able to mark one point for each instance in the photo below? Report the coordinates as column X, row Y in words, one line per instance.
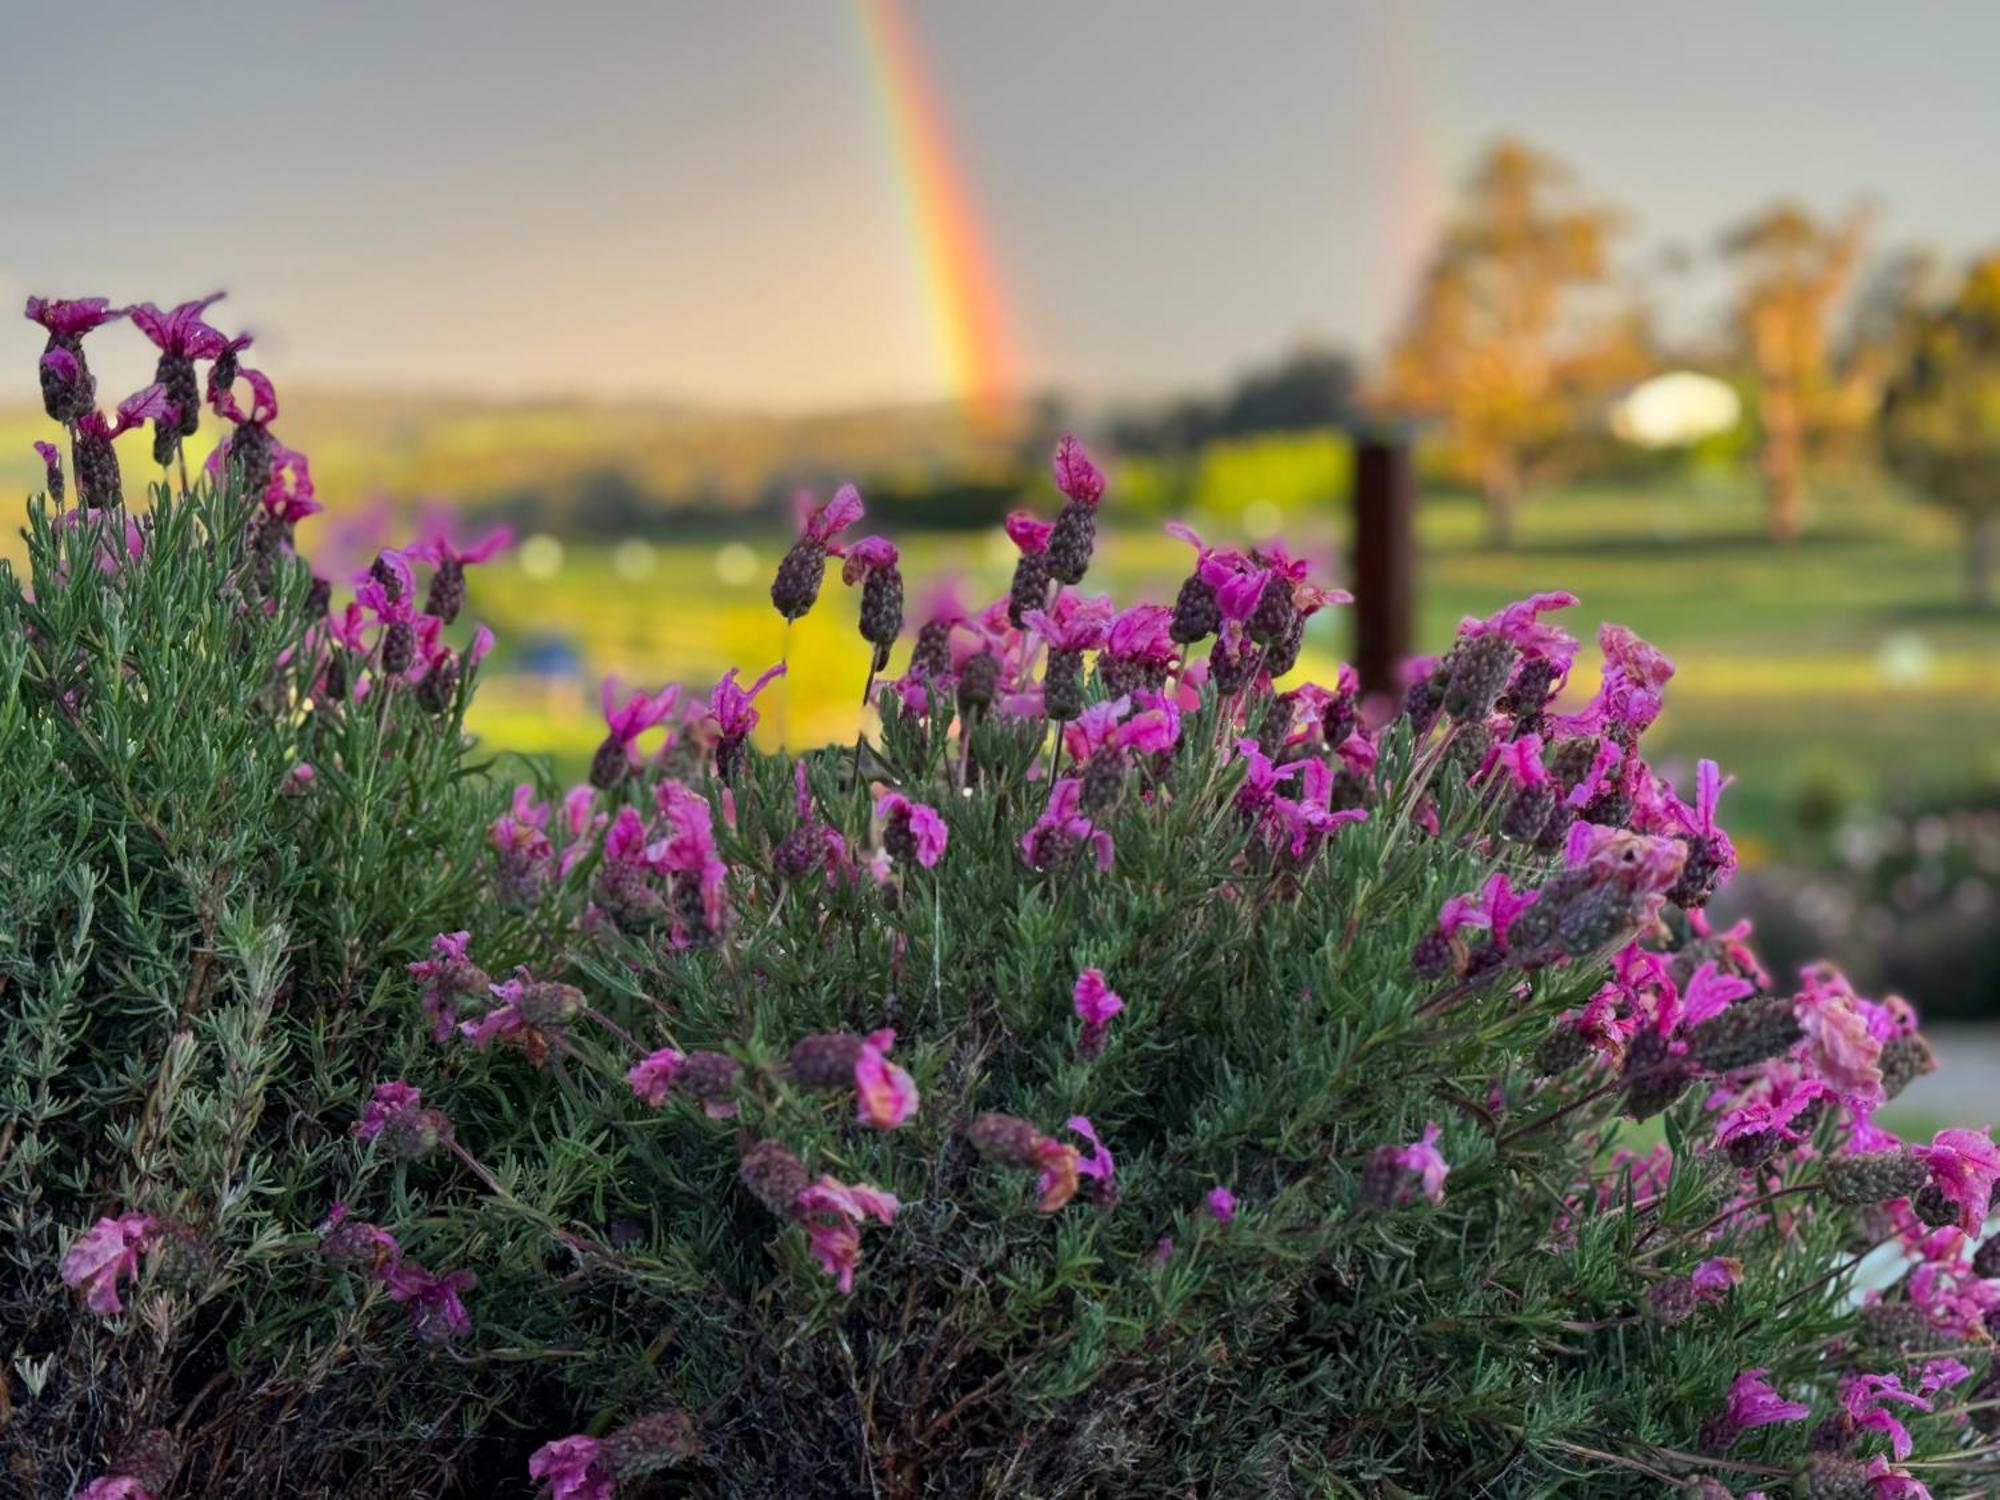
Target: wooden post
column 1384, row 559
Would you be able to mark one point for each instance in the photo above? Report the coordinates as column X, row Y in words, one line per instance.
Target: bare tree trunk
column 1783, row 461
column 1500, row 486
column 1982, row 543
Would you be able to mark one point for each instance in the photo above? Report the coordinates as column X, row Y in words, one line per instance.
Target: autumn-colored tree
column 1940, row 419
column 1794, row 269
column 1501, row 346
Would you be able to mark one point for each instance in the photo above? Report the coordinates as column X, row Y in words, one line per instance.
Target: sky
column 798, row 204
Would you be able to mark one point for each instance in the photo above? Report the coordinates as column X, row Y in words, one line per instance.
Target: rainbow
column 967, row 312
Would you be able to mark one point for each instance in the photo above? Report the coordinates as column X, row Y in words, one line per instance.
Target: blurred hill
column 588, row 467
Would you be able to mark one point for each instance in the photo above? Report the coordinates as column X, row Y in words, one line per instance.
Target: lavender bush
column 1117, row 1076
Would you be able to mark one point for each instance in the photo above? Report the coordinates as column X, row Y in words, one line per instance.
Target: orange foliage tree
column 1793, row 270
column 1502, row 346
column 1940, row 421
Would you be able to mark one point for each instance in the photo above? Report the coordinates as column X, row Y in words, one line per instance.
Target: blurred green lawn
column 1842, row 667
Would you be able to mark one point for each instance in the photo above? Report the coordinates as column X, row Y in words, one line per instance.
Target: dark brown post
column 1384, row 558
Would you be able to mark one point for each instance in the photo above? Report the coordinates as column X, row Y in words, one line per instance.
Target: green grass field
column 1841, row 667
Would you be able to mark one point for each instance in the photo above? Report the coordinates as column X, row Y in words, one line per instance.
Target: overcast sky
column 702, row 201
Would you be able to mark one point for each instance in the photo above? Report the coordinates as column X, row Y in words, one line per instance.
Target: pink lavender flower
column 52, row 463
column 1520, row 623
column 1840, row 1050
column 732, row 712
column 114, row 1487
column 67, row 388
column 393, row 1099
column 1771, row 1113
column 1076, row 476
column 447, row 590
column 796, row 587
column 833, row 1213
column 688, row 853
column 885, row 1095
column 70, row 318
column 1635, row 674
column 912, row 830
column 624, row 722
column 1423, row 1159
column 1394, row 1175
column 1099, row 1166
column 1867, row 1398
column 1710, row 992
column 1717, row 1274
column 1073, row 623
column 105, row 1254
column 1493, row 908
column 653, row 1076
column 1888, row 1483
column 1965, row 1165
column 437, row 1312
column 520, row 838
column 353, row 1242
column 1057, row 1167
column 1028, row 532
column 1749, row 1403
column 824, row 523
column 1063, row 829
column 1095, row 1003
column 1221, row 1204
column 98, row 483
column 572, row 1469
column 1138, row 648
column 182, row 332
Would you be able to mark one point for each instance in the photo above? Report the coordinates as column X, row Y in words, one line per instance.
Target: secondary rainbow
column 967, row 313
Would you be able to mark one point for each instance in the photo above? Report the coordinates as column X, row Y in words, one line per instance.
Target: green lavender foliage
column 191, row 964
column 1275, row 1037
column 204, row 977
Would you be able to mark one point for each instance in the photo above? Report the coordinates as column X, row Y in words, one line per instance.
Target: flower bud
column 1745, row 1033
column 152, row 1457
column 1197, row 615
column 977, row 682
column 1828, row 1476
column 413, row 1134
column 1673, row 1301
column 801, row 850
column 1231, row 666
column 649, row 1444
column 825, row 1060
column 1436, row 955
column 1062, row 684
column 1904, row 1060
column 544, row 1002
column 1005, row 1139
column 1103, row 779
column 1029, row 588
column 1276, row 609
column 1654, row 1077
column 1934, row 1206
column 1528, row 812
column 709, row 1076
column 1478, row 669
column 447, row 592
column 882, row 611
column 773, row 1175
column 1900, row 1327
column 629, row 895
column 795, row 588
column 1562, row 1049
column 1071, row 542
column 399, row 647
